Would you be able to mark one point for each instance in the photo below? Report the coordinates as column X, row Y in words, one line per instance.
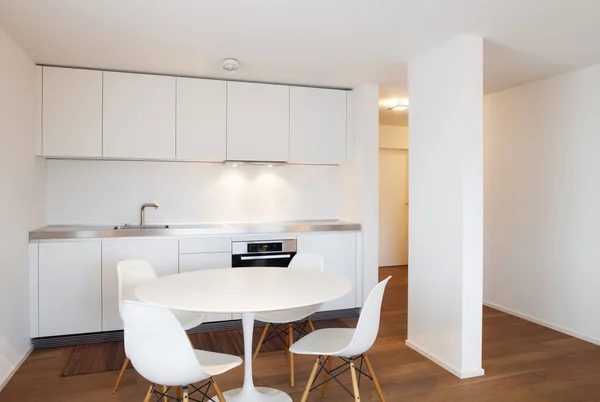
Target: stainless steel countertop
column 101, row 232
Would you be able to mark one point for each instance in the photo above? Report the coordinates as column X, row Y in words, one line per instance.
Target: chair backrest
column 307, row 260
column 368, row 322
column 158, row 346
column 131, row 274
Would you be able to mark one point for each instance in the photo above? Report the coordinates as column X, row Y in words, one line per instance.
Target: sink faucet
column 154, row 204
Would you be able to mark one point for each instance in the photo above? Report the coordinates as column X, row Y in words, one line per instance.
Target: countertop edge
column 104, row 233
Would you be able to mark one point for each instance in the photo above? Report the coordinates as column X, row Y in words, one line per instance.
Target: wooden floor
column 523, row 362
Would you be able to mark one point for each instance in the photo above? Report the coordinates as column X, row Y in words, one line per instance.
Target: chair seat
column 328, row 342
column 285, row 316
column 189, row 319
column 216, row 363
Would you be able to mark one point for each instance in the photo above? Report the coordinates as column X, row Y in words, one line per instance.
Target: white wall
column 20, row 202
column 96, row 192
column 543, row 202
column 446, row 205
column 393, row 195
column 395, row 137
column 360, row 193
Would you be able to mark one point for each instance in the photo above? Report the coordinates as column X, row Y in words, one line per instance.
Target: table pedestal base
column 258, row 394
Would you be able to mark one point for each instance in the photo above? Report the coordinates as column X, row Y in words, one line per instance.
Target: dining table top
column 244, row 290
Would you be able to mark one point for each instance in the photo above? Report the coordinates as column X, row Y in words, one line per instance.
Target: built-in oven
column 269, row 253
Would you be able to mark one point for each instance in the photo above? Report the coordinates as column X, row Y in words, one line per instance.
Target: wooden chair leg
column 121, row 374
column 179, row 392
column 217, row 390
column 326, row 377
column 260, row 341
column 310, row 324
column 165, row 389
column 354, row 381
column 149, row 393
column 286, row 350
column 372, row 374
column 185, row 394
column 290, row 342
column 311, row 380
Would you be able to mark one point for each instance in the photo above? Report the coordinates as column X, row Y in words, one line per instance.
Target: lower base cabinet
column 161, row 253
column 197, row 262
column 75, row 288
column 339, row 258
column 70, row 287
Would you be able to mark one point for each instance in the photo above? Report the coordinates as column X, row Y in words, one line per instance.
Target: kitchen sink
column 126, row 227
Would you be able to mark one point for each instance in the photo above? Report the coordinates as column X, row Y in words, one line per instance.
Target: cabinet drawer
column 205, row 245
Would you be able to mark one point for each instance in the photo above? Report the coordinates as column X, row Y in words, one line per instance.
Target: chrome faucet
column 154, row 204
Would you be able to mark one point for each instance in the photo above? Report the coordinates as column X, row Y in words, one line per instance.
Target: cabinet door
column 72, row 112
column 201, row 119
column 258, row 122
column 197, row 262
column 139, row 116
column 70, row 283
column 339, row 258
column 161, row 253
column 317, row 125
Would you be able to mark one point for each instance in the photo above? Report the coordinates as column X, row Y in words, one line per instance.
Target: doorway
column 393, row 204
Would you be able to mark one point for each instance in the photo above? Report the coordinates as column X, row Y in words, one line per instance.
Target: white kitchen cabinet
column 71, row 112
column 257, row 122
column 197, row 262
column 339, row 258
column 161, row 253
column 201, row 119
column 139, row 116
column 70, row 299
column 317, row 125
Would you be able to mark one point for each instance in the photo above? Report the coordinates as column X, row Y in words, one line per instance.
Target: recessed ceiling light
column 230, row 65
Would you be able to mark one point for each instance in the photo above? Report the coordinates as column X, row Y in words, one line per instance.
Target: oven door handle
column 265, row 257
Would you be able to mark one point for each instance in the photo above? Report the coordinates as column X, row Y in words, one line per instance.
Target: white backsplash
column 108, row 192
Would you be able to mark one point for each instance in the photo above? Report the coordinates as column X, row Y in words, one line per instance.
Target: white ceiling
column 336, row 43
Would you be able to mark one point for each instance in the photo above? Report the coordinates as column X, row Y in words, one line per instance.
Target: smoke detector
column 230, row 65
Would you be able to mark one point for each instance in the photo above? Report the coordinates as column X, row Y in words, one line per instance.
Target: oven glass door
column 262, row 260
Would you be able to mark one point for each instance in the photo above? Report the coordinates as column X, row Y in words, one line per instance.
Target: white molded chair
column 162, row 353
column 289, row 317
column 349, row 344
column 134, row 273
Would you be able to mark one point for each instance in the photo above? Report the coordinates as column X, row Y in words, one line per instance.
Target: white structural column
column 446, row 205
column 360, row 180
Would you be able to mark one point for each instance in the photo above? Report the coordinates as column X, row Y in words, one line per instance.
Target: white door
column 258, row 122
column 139, row 116
column 393, row 207
column 201, row 119
column 198, row 262
column 317, row 125
column 72, row 112
column 161, row 253
column 70, row 298
column 339, row 258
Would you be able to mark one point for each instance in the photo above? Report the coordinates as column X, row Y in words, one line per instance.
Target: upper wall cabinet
column 139, row 116
column 317, row 125
column 201, row 119
column 258, row 122
column 72, row 112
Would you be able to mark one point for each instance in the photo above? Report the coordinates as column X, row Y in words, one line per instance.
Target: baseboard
column 14, row 370
column 460, row 374
column 543, row 323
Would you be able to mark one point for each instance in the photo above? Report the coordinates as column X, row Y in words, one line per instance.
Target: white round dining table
column 247, row 291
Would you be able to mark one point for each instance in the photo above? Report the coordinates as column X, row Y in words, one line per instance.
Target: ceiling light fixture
column 398, row 105
column 230, row 65
column 398, row 108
